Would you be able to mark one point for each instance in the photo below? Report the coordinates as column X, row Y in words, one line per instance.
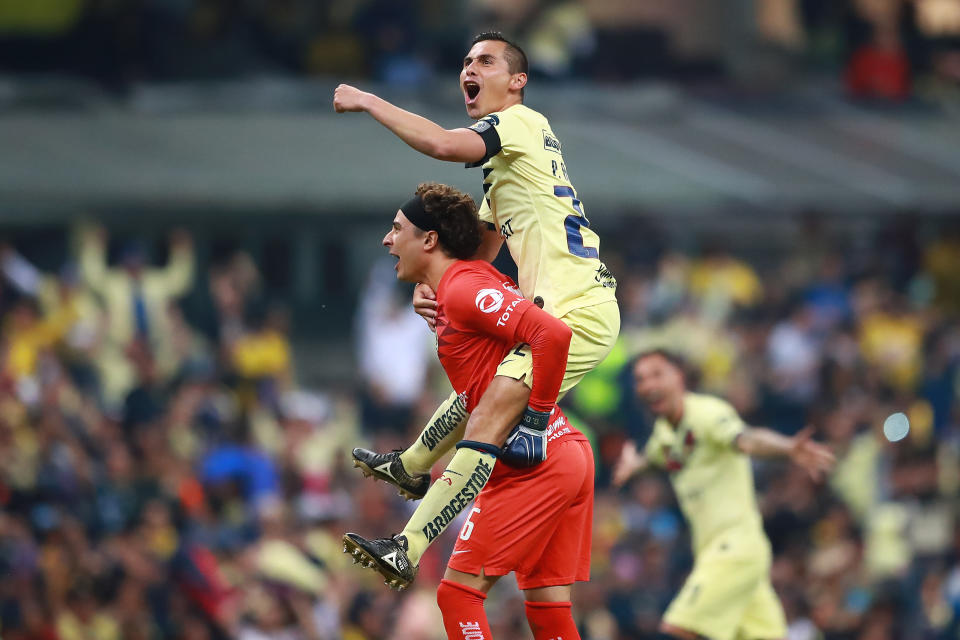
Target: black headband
column 413, row 209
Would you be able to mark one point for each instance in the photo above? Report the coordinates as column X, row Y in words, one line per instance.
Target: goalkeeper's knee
column 462, row 610
column 550, row 620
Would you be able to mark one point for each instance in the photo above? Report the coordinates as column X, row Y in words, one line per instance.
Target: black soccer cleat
column 388, row 467
column 388, row 556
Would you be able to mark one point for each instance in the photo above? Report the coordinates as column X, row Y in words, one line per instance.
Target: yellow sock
column 460, row 483
column 444, row 430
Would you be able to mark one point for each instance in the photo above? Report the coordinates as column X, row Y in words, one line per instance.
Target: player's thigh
column 764, row 618
column 595, row 330
column 565, row 556
column 517, row 512
column 518, row 364
column 715, row 597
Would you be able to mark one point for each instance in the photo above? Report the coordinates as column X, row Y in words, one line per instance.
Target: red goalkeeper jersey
column 481, row 318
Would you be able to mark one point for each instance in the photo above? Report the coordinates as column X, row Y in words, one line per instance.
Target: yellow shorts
column 729, row 598
column 595, row 330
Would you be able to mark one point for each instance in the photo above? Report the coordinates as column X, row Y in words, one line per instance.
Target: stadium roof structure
column 273, row 145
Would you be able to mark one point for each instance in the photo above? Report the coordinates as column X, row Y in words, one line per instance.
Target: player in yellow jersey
column 705, row 447
column 528, row 202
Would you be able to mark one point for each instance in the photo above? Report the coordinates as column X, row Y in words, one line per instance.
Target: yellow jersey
column 713, row 480
column 528, row 198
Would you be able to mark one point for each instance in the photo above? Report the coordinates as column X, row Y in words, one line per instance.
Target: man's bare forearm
column 422, row 134
column 764, row 443
column 630, row 463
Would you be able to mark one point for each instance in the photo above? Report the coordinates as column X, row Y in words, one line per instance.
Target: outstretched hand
column 816, row 458
column 347, row 98
column 425, row 304
column 630, row 462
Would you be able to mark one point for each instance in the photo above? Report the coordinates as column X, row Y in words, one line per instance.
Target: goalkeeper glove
column 526, row 446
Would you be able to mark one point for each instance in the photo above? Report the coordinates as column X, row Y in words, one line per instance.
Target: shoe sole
column 367, row 561
column 368, row 471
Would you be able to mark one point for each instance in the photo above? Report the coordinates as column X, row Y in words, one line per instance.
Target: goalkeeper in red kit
column 531, row 520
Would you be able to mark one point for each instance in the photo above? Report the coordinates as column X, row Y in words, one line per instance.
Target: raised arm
column 19, row 271
column 426, row 136
column 764, row 443
column 177, row 275
column 93, row 257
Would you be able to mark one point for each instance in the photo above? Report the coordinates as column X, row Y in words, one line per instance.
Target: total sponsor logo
column 505, row 316
column 489, row 300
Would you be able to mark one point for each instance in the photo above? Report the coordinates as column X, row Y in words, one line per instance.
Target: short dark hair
column 674, row 358
column 514, row 55
column 460, row 232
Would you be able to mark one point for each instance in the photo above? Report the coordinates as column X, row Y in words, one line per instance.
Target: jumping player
column 530, row 203
column 705, row 447
column 534, row 521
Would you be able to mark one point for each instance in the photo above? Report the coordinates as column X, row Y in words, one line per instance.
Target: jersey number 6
column 468, row 525
column 572, row 224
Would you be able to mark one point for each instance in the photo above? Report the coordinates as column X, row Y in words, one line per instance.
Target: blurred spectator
column 136, row 300
column 891, row 337
column 793, row 353
column 261, row 358
column 879, row 69
column 63, row 300
column 719, row 282
column 393, row 351
column 828, row 296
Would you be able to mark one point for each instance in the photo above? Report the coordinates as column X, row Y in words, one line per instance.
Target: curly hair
column 460, row 230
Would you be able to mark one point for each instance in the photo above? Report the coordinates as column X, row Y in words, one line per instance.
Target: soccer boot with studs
column 387, row 556
column 389, row 468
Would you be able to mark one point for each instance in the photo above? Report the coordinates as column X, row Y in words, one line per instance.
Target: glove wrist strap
column 533, row 419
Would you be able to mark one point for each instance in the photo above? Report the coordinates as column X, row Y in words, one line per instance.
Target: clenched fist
column 347, row 98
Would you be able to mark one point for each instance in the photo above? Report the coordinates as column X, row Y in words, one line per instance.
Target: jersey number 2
column 573, row 223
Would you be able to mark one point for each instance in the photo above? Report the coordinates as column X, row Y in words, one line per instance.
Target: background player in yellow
column 705, row 447
column 528, row 202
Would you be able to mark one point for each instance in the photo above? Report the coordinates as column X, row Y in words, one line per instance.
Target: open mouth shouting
column 470, row 92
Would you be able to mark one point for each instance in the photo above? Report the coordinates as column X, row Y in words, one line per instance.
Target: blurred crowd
column 836, row 335
column 165, row 476
column 882, row 46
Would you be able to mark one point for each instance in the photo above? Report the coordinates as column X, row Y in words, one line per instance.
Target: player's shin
column 444, row 429
column 551, row 620
column 462, row 610
column 456, row 488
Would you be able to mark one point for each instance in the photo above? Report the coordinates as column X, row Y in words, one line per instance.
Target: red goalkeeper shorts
column 537, row 522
